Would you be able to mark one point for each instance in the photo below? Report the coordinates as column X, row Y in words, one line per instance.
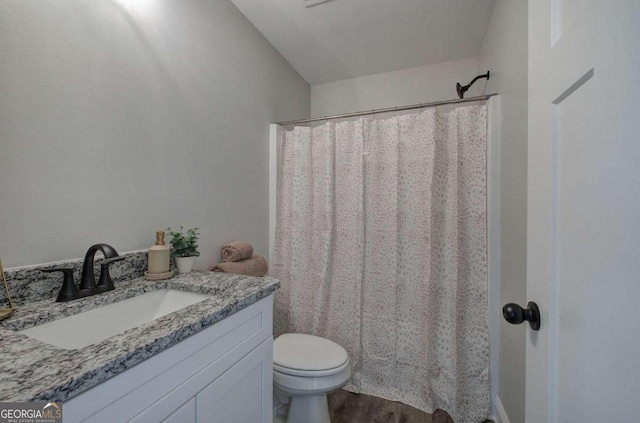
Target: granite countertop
column 31, row 370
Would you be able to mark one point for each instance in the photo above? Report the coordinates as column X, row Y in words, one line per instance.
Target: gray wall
column 504, row 52
column 120, row 118
column 408, row 86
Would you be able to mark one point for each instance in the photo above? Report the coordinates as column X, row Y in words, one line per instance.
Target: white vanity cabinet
column 221, row 374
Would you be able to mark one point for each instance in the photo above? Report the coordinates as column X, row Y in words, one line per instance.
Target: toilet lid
column 307, row 352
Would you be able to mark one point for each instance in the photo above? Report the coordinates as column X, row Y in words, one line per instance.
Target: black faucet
column 88, row 279
column 88, row 285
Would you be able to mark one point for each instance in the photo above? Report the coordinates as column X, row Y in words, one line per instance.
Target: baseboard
column 501, row 415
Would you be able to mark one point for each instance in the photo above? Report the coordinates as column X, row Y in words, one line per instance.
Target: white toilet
column 306, row 368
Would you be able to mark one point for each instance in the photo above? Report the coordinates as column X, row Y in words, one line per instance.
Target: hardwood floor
column 347, row 407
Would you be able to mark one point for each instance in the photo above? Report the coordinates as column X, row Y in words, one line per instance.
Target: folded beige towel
column 237, row 250
column 254, row 266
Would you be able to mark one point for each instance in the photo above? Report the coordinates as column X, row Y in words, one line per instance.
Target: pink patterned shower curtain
column 381, row 246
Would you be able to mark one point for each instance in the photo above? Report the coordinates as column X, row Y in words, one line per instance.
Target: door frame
column 494, row 258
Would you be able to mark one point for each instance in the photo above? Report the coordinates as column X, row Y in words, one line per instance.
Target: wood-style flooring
column 347, row 407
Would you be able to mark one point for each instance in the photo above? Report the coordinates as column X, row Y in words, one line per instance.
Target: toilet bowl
column 306, row 368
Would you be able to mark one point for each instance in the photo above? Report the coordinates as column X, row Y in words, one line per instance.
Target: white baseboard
column 501, row 415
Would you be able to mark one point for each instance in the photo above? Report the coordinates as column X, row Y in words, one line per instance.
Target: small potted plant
column 184, row 247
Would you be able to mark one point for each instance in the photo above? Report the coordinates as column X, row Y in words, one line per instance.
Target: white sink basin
column 83, row 329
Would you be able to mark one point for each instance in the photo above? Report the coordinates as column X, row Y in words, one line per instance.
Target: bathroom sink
column 89, row 327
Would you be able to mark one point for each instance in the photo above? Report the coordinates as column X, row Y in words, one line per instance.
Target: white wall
column 504, row 52
column 120, row 118
column 409, row 86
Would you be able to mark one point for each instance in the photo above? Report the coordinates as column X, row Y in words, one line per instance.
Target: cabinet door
column 185, row 414
column 243, row 394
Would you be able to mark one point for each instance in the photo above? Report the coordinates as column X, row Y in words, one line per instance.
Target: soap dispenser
column 159, row 258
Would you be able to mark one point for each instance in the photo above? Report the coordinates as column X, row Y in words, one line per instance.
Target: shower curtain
column 381, row 247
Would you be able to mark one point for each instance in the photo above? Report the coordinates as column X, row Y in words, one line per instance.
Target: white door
column 583, row 230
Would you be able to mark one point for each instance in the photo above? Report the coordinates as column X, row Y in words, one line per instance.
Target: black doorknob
column 515, row 314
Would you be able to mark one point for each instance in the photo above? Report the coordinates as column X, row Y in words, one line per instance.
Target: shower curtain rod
column 390, row 109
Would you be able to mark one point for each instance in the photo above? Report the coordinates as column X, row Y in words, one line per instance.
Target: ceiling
column 341, row 39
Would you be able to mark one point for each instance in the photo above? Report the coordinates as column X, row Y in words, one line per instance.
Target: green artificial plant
column 184, row 244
